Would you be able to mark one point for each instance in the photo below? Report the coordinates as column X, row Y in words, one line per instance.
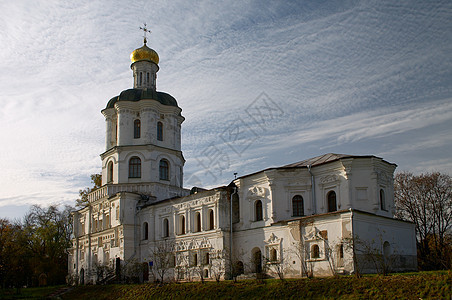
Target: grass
column 28, row 293
column 422, row 285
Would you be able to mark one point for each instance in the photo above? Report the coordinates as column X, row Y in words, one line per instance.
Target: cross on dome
column 145, row 30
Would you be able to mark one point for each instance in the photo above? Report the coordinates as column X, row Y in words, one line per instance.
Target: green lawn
column 28, row 293
column 424, row 285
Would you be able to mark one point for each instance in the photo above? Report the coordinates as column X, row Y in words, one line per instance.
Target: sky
column 260, row 83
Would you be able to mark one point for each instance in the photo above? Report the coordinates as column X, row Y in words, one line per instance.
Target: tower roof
column 144, row 53
column 140, row 94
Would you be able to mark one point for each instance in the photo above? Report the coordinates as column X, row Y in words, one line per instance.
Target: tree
column 278, row 265
column 47, row 232
column 96, row 180
column 163, row 258
column 426, row 200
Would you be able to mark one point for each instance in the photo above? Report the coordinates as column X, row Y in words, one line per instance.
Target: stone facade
column 330, row 214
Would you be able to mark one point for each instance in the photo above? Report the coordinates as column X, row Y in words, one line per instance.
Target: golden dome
column 144, row 53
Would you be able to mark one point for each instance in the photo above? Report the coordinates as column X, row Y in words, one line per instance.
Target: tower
column 143, row 135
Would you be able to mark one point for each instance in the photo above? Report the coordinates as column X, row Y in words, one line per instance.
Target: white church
column 331, row 214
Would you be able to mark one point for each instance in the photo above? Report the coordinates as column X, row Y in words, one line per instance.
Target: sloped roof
column 315, row 161
column 319, row 160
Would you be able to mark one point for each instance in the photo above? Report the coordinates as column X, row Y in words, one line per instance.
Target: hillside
column 424, row 285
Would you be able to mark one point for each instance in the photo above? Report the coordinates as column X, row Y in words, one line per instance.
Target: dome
column 144, row 53
column 142, row 94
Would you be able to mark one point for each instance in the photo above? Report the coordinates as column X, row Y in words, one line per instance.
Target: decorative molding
column 257, row 192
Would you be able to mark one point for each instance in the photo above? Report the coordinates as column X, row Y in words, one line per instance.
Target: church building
column 331, row 214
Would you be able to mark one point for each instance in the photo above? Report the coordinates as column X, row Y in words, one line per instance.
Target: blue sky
column 261, row 84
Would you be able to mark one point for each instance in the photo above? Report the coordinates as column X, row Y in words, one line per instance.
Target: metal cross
column 145, row 30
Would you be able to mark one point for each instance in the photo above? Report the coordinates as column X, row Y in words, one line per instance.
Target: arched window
column 136, row 129
column 195, row 259
column 182, row 225
column 211, row 220
column 240, row 269
column 110, row 172
column 386, row 251
column 160, row 131
column 235, row 208
column 197, row 222
column 164, row 170
column 206, row 273
column 147, row 77
column 315, row 251
column 141, row 78
column 331, row 201
column 145, row 231
column 273, row 255
column 165, row 228
column 207, row 258
column 258, row 210
column 382, row 200
column 297, row 206
column 135, row 167
column 257, row 260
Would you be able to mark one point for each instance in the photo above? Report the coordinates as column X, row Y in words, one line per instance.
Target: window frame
column 258, row 211
column 135, row 167
column 329, row 200
column 164, row 167
column 297, row 206
column 136, row 129
column 159, row 131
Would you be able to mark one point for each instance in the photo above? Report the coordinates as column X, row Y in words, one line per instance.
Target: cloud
column 363, row 77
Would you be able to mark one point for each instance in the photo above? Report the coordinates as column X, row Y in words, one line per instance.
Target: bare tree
column 277, row 265
column 426, row 200
column 217, row 265
column 162, row 255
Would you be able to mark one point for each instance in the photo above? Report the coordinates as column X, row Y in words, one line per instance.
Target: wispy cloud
column 363, row 77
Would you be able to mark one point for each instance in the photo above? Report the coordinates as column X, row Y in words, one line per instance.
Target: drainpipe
column 313, row 190
column 355, row 263
column 230, row 235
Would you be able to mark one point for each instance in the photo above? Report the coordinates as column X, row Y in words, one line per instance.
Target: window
column 206, row 273
column 110, row 172
column 147, row 77
column 273, row 255
column 136, row 129
column 235, row 208
column 182, row 225
column 206, row 258
column 145, row 231
column 160, row 131
column 164, row 170
column 197, row 222
column 386, row 251
column 211, row 220
column 331, row 201
column 258, row 210
column 315, row 251
column 195, row 259
column 135, row 167
column 165, row 228
column 382, row 200
column 240, row 267
column 257, row 260
column 141, row 78
column 297, row 206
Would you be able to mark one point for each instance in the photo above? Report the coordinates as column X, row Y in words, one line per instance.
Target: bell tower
column 143, row 134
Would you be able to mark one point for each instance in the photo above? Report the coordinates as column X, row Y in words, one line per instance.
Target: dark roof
column 140, row 94
column 322, row 159
column 315, row 161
